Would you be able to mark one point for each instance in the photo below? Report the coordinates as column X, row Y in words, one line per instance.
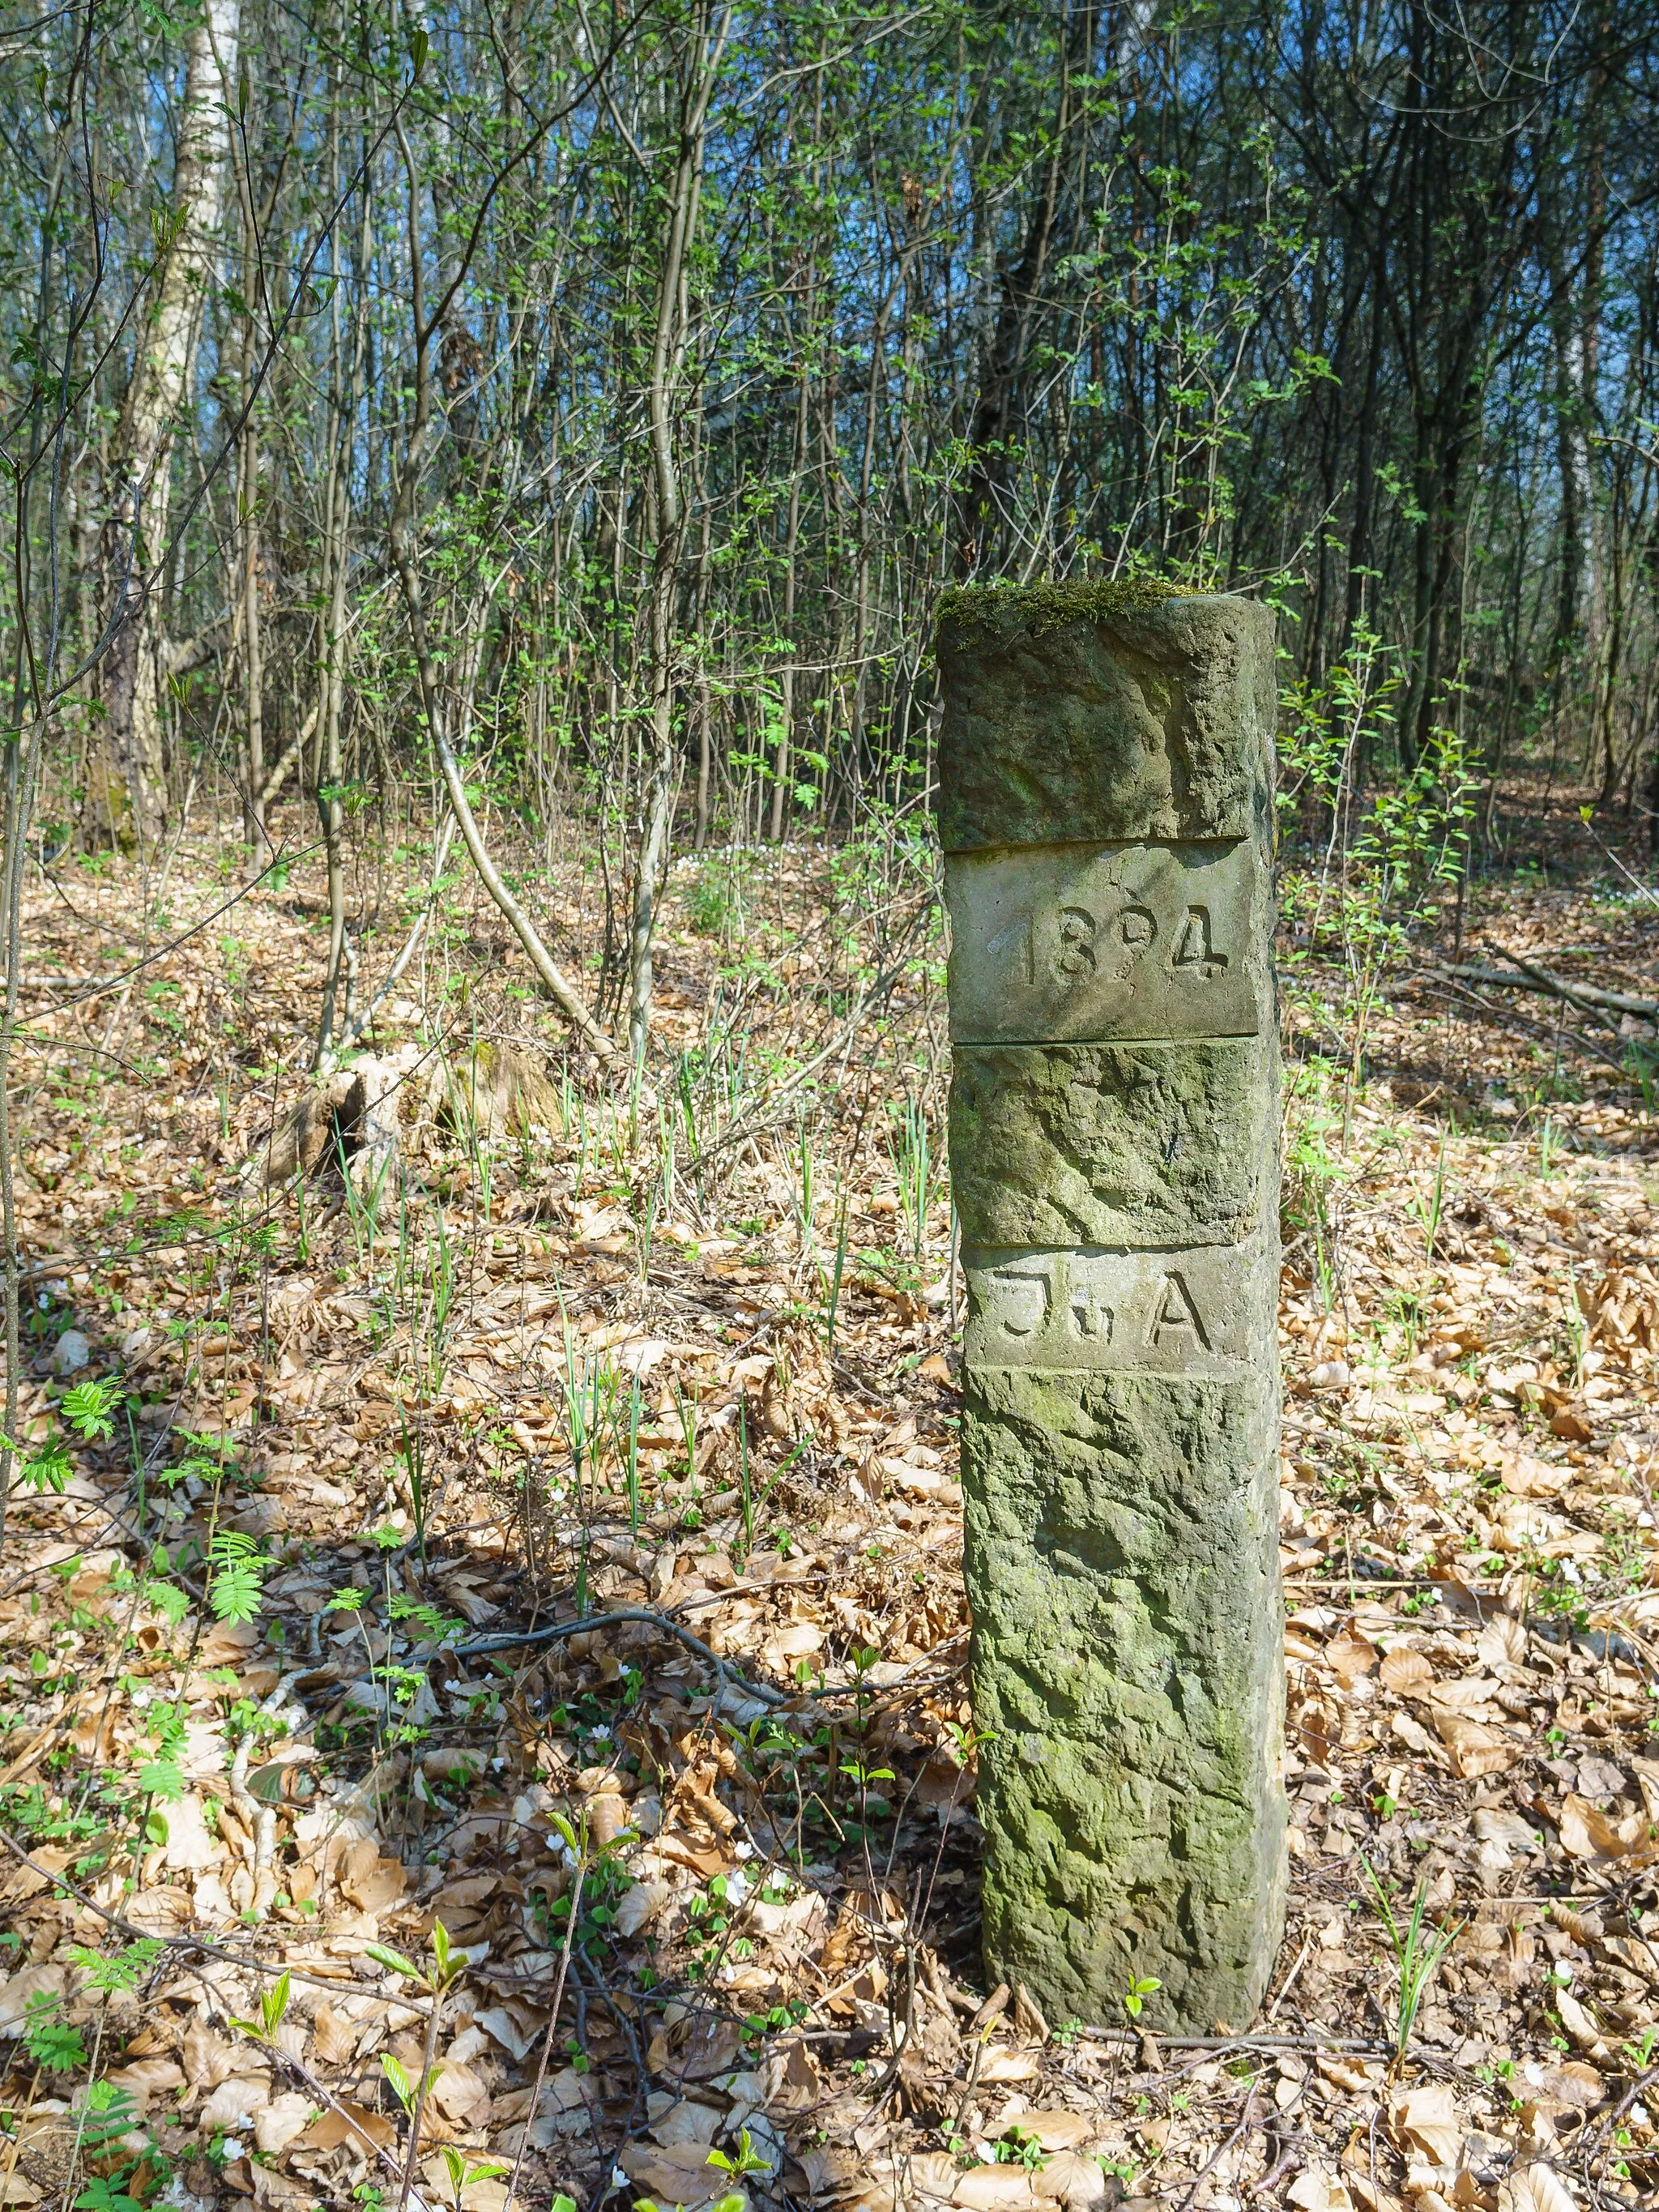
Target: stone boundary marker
column 1106, row 811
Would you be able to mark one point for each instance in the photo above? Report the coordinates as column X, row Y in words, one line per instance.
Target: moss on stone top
column 1039, row 608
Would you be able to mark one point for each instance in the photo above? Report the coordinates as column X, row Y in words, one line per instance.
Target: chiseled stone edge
column 1072, row 714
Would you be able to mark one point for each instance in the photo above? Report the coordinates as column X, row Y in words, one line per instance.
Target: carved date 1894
column 1090, row 942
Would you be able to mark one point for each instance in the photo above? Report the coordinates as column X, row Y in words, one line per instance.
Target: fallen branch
column 1131, row 2039
column 1247, row 2120
column 556, row 1631
column 558, row 988
column 51, row 982
column 1449, row 982
column 1588, row 996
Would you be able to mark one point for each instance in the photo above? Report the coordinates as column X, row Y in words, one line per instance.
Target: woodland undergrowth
column 481, row 1606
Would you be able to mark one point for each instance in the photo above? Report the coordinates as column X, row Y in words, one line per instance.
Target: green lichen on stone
column 1093, row 1143
column 988, row 609
column 1122, row 1540
column 1153, row 719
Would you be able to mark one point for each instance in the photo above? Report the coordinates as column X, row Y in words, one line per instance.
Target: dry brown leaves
column 792, row 1925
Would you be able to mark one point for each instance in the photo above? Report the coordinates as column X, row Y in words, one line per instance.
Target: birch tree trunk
column 133, row 779
column 245, row 589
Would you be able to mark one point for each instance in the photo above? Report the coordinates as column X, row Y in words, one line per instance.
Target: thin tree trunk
column 705, row 713
column 699, row 63
column 330, row 765
column 253, row 769
column 781, row 766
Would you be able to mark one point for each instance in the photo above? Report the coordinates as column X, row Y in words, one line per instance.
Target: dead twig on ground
column 1589, row 996
column 1246, row 2122
column 1506, row 1018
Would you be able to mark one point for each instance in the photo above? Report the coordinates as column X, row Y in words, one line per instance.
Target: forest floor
column 684, row 1363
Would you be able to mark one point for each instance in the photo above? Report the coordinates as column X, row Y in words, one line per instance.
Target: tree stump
column 1106, row 812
